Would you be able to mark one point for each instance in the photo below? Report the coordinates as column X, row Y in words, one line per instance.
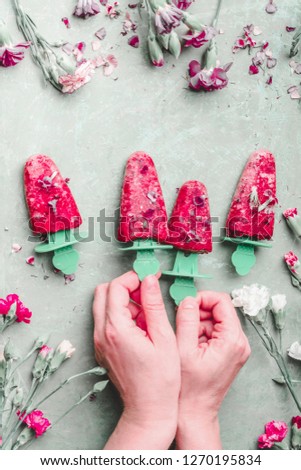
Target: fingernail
column 189, row 303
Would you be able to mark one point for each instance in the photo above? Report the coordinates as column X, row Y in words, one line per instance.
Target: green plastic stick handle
column 243, row 259
column 65, row 257
column 185, row 270
column 146, row 262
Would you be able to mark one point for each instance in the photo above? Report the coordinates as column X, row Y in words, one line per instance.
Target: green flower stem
column 272, row 349
column 28, row 355
column 72, row 407
column 280, row 342
column 65, row 382
column 218, row 10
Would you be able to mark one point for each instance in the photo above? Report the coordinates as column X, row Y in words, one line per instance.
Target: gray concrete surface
column 204, row 136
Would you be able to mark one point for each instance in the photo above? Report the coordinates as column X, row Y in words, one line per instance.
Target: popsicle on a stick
column 52, row 211
column 252, row 213
column 190, row 232
column 143, row 218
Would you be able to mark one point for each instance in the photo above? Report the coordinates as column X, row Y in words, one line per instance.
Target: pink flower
column 198, row 39
column 82, row 75
column 86, row 8
column 290, row 212
column 167, row 18
column 296, row 420
column 36, row 421
column 275, row 431
column 208, row 80
column 23, row 314
column 45, row 350
column 10, row 54
column 182, row 4
column 291, row 259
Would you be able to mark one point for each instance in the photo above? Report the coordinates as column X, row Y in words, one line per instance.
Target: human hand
column 212, row 348
column 142, row 363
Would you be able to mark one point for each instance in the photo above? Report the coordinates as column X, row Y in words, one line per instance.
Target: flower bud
column 40, row 341
column 63, row 351
column 43, row 358
column 18, row 397
column 174, row 45
column 155, row 51
column 296, row 433
column 100, row 386
column 278, row 310
column 9, row 352
column 5, row 38
column 293, row 220
column 163, row 40
column 25, row 436
column 192, row 22
column 98, row 371
column 3, row 367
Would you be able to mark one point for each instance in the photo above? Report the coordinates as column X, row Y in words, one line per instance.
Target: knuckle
column 111, row 335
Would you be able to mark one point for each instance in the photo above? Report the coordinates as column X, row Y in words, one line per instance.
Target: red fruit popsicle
column 190, row 232
column 190, row 223
column 143, row 218
column 50, row 203
column 52, row 211
column 252, row 213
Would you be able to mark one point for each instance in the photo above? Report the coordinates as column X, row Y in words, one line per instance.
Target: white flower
column 251, row 299
column 295, row 351
column 278, row 302
column 66, row 348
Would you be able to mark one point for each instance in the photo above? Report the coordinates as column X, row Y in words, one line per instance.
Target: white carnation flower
column 251, row 299
column 295, row 351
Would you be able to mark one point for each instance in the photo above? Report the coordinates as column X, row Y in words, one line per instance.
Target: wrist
column 198, row 428
column 142, row 432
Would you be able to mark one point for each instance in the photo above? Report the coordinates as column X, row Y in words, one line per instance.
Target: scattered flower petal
column 253, row 69
column 101, row 33
column 68, row 48
column 16, row 248
column 30, row 260
column 295, row 67
column 95, row 45
column 271, row 7
column 81, row 76
column 294, row 92
column 112, row 11
column 271, row 62
column 66, row 22
column 290, row 29
column 86, row 8
column 69, row 278
column 294, row 351
column 257, row 31
column 269, row 80
column 199, row 38
column 134, row 41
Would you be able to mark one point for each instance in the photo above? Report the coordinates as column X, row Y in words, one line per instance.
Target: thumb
column 187, row 322
column 156, row 319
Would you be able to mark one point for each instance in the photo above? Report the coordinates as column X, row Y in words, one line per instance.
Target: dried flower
column 211, row 79
column 275, row 431
column 86, row 8
column 294, row 351
column 10, row 54
column 199, row 38
column 81, row 76
column 251, row 299
column 35, row 421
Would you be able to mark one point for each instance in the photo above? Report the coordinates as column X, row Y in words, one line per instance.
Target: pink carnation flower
column 275, row 431
column 183, row 4
column 86, row 8
column 10, row 54
column 296, row 420
column 45, row 350
column 35, row 421
column 167, row 18
column 23, row 314
column 290, row 213
column 198, row 39
column 82, row 75
column 291, row 259
column 208, row 80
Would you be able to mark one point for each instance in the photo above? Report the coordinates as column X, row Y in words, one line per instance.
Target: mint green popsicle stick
column 185, row 270
column 65, row 257
column 243, row 259
column 146, row 262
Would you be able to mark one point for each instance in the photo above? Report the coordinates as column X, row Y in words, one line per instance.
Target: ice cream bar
column 190, row 232
column 50, row 202
column 190, row 223
column 142, row 210
column 143, row 218
column 252, row 210
column 251, row 217
column 52, row 211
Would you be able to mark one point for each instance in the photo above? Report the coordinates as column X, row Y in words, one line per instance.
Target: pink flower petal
column 290, row 29
column 30, row 260
column 257, row 31
column 271, row 7
column 133, row 41
column 101, row 33
column 66, row 22
column 68, row 48
column 95, row 45
column 271, row 62
column 253, row 70
column 16, row 248
column 194, row 67
column 269, row 80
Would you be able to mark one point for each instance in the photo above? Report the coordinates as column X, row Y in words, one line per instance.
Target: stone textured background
column 190, row 136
